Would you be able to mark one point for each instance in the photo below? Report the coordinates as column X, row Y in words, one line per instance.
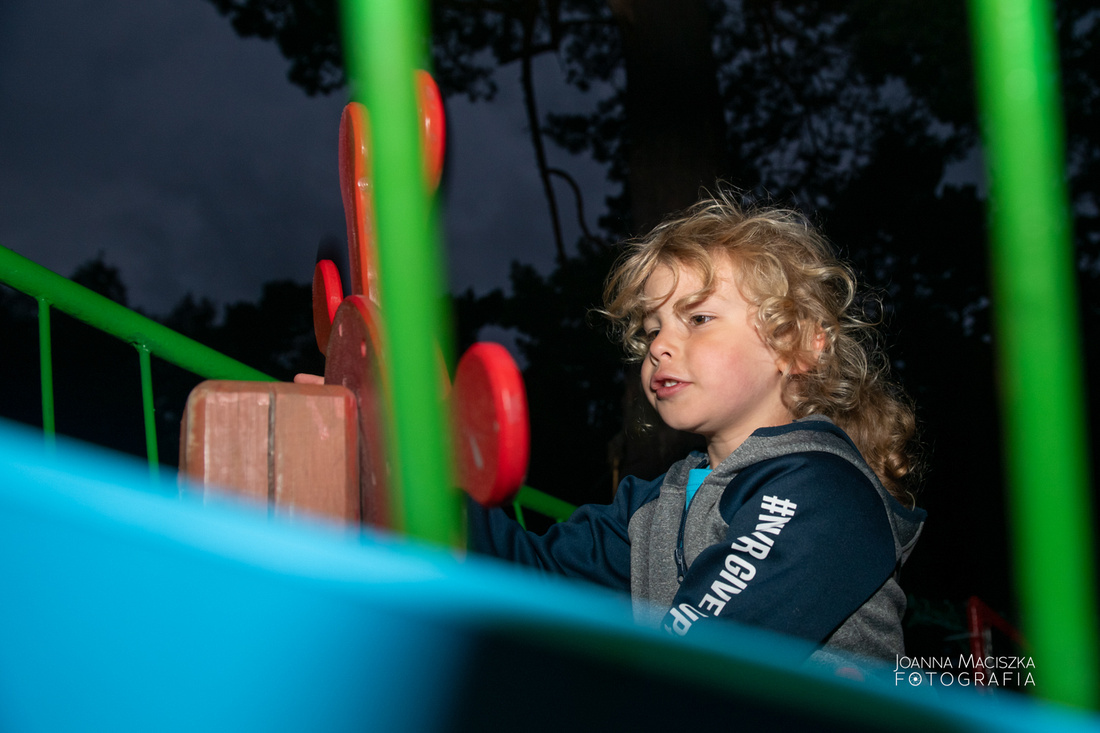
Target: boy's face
column 708, row 371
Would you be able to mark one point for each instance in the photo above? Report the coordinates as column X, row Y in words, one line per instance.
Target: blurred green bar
column 119, row 321
column 384, row 42
column 543, row 503
column 1037, row 335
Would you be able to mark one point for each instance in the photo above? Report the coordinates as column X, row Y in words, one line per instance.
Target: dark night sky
column 148, row 131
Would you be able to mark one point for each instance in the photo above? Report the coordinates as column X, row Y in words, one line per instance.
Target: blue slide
column 124, row 607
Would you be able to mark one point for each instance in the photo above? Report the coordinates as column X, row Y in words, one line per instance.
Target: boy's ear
column 805, row 358
column 818, row 342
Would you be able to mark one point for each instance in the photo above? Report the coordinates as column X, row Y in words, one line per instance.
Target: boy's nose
column 661, row 345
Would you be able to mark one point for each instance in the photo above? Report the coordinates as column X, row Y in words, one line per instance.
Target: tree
column 671, row 94
column 99, row 277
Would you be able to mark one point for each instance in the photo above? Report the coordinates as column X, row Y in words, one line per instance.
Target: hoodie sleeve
column 808, row 542
column 593, row 544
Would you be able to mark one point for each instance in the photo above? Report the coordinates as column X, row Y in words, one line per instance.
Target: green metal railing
column 151, row 339
column 147, row 336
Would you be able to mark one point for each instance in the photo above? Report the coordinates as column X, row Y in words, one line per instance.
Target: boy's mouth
column 664, row 386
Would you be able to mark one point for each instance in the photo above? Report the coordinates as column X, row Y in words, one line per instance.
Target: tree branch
column 577, row 194
column 527, row 79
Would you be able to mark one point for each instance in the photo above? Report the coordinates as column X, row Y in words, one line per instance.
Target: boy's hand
column 308, row 379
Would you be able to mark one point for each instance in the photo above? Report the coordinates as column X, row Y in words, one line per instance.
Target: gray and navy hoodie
column 793, row 532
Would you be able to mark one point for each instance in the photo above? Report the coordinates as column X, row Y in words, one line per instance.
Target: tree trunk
column 675, row 125
column 676, row 145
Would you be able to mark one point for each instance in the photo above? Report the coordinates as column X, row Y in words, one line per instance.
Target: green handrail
column 119, row 321
column 149, row 337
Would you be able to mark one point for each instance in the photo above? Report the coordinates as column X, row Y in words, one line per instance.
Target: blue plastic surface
column 126, row 608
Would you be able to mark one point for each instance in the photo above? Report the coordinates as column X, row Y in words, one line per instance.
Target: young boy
column 793, row 519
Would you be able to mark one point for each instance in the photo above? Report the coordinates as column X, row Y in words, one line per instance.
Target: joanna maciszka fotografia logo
column 965, row 670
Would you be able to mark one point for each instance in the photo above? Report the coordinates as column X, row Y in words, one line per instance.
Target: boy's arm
column 592, row 544
column 808, row 546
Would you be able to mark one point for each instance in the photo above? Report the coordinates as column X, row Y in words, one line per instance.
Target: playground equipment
column 303, row 447
column 125, row 610
column 487, row 402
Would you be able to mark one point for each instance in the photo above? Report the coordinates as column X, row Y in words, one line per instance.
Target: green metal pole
column 384, row 42
column 145, row 364
column 45, row 370
column 119, row 321
column 1037, row 334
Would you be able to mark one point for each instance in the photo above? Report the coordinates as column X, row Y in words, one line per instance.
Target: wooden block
column 293, row 447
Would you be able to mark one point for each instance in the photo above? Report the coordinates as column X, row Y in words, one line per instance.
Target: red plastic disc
column 328, row 293
column 433, row 127
column 491, row 431
column 356, row 188
column 354, row 360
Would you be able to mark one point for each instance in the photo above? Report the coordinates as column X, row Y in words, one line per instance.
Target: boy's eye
column 698, row 319
column 650, row 334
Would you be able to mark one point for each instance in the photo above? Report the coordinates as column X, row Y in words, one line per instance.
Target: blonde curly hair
column 806, row 311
